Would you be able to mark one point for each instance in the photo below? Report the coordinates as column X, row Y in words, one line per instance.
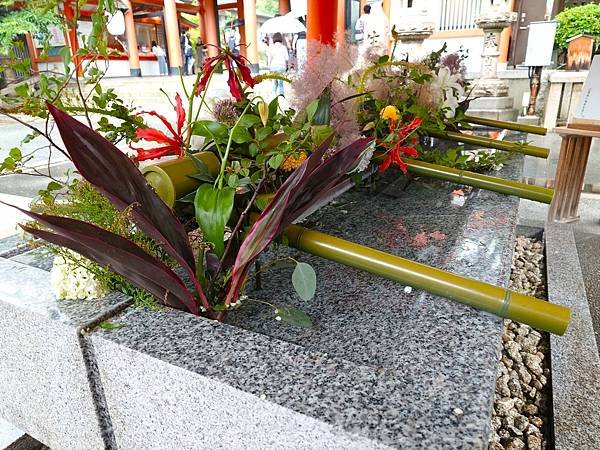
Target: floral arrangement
column 349, row 112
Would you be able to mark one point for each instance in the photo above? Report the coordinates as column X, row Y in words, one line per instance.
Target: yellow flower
column 390, row 112
column 291, row 163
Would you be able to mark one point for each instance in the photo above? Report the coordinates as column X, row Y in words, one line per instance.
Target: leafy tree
column 577, row 20
column 267, row 7
column 31, row 16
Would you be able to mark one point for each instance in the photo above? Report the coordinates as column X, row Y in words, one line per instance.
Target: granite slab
column 45, row 384
column 382, row 368
column 575, row 358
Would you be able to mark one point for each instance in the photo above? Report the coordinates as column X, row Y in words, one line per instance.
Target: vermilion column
column 386, row 8
column 72, row 34
column 242, row 28
column 251, row 33
column 172, row 32
column 321, row 21
column 132, row 45
column 503, row 47
column 284, row 7
column 210, row 25
column 341, row 21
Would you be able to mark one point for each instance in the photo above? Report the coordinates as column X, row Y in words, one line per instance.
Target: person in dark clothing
column 184, row 43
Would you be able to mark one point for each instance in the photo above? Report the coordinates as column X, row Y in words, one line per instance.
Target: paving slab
column 575, row 361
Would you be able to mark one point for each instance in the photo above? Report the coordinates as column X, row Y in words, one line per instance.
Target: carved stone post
column 492, row 23
column 412, row 32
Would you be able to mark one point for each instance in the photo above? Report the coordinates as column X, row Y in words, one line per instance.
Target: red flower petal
column 153, row 153
column 245, row 72
column 162, row 118
column 152, row 134
column 180, row 113
column 233, row 82
column 210, row 64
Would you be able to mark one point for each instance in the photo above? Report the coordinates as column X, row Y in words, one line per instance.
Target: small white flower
column 408, row 289
column 278, row 318
column 71, row 280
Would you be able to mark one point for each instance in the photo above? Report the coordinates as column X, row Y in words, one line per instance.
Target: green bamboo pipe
column 487, row 297
column 509, row 187
column 527, row 149
column 532, row 129
column 172, row 179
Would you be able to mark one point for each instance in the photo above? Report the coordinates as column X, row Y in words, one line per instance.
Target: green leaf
column 213, row 209
column 264, row 133
column 240, row 135
column 15, row 153
column 22, row 90
column 383, row 59
column 275, row 161
column 320, row 133
column 111, row 325
column 304, row 280
column 54, row 186
column 311, row 109
column 248, row 121
column 323, row 113
column 273, row 106
column 253, row 149
column 294, row 316
column 209, row 129
column 203, row 172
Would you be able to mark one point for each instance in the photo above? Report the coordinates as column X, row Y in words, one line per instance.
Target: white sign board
column 540, row 43
column 589, row 101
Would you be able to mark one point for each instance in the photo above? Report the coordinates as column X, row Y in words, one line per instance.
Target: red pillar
column 72, row 34
column 322, row 21
column 242, row 28
column 210, row 25
column 284, row 7
column 341, row 21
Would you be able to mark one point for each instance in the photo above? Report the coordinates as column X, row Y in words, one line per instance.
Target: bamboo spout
column 526, row 149
column 525, row 128
column 509, row 187
column 496, row 300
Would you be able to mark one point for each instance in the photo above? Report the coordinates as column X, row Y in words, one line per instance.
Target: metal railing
column 458, row 15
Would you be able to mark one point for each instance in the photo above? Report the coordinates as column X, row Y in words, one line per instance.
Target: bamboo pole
column 526, row 149
column 172, row 179
column 531, row 129
column 508, row 187
column 477, row 294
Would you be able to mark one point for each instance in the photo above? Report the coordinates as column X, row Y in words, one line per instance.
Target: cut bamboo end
column 486, row 297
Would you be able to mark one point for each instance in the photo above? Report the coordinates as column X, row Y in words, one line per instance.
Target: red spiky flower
column 174, row 144
column 238, row 69
column 395, row 147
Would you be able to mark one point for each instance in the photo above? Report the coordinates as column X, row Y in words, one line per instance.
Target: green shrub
column 580, row 19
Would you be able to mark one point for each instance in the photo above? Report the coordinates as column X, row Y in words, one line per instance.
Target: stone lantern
column 490, row 92
column 412, row 31
column 492, row 21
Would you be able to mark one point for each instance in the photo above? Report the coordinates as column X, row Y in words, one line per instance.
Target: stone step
column 496, row 114
column 575, row 359
column 491, row 103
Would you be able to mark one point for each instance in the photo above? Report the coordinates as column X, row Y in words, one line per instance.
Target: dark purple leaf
column 120, row 254
column 113, row 173
column 305, row 186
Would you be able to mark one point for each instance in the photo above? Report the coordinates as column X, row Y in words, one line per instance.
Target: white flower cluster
column 71, row 280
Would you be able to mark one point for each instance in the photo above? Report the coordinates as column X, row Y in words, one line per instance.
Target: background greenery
column 577, row 20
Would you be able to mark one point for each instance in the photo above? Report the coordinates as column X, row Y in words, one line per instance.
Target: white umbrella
column 282, row 24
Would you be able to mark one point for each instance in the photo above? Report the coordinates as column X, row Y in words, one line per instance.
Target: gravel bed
column 522, row 403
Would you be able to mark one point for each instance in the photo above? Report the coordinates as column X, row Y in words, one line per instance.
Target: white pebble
column 407, row 290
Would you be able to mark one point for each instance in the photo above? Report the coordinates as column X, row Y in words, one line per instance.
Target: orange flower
column 291, row 163
column 395, row 148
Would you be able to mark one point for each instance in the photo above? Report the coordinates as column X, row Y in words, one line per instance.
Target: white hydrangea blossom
column 73, row 281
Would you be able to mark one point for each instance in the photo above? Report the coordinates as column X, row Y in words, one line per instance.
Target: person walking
column 184, row 43
column 359, row 28
column 161, row 57
column 278, row 58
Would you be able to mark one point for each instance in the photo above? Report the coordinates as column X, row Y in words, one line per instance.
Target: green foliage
column 577, row 20
column 471, row 160
column 267, row 7
column 31, row 17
